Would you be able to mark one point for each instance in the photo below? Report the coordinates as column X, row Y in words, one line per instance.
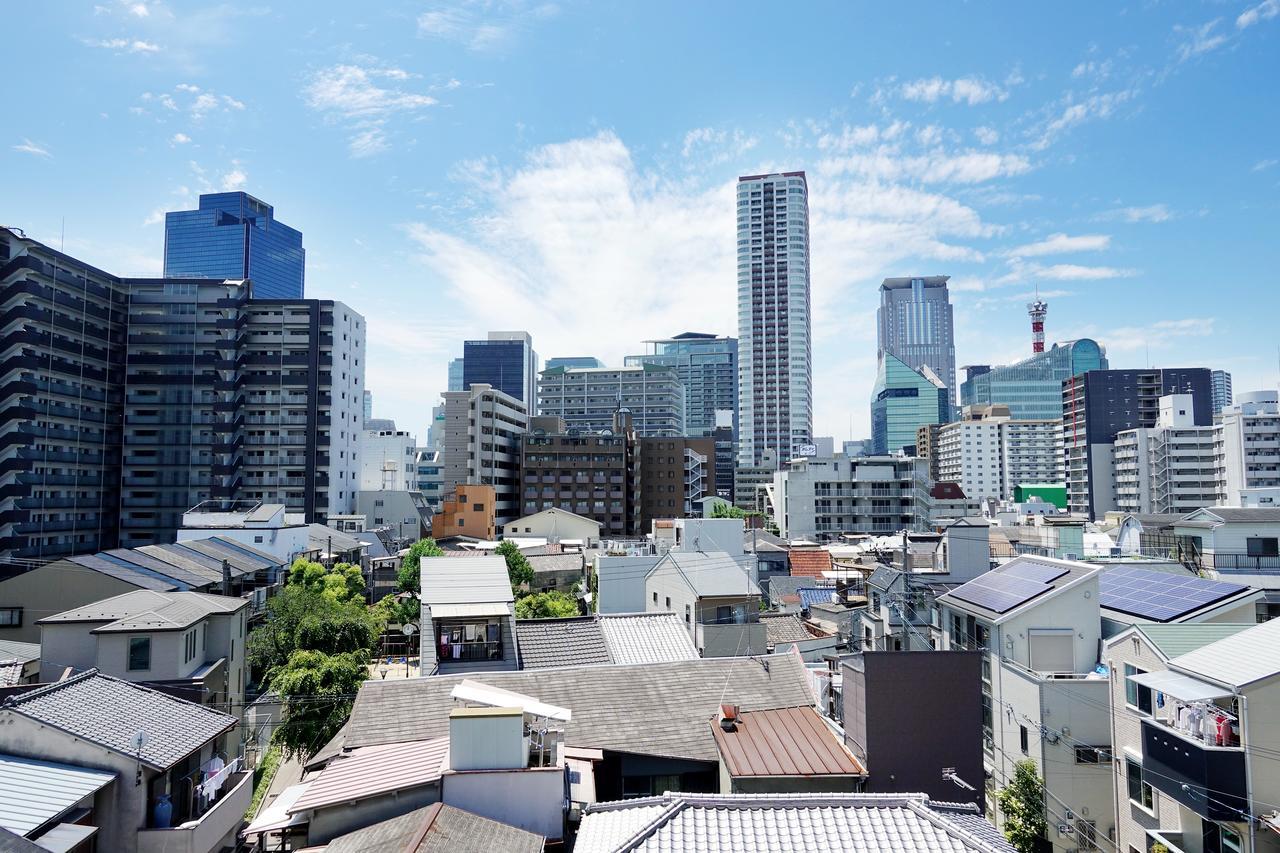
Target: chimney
column 729, row 717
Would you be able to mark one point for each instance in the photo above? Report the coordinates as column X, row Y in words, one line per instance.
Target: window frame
column 138, row 643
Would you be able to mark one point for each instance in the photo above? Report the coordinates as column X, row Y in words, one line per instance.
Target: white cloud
column 1263, row 165
column 1058, row 244
column 963, row 90
column 987, row 135
column 1075, row 272
column 124, row 45
column 180, row 139
column 1150, row 213
column 483, row 26
column 187, row 87
column 969, row 167
column 29, row 147
column 190, row 98
column 849, row 137
column 715, row 146
column 1264, row 11
column 139, row 10
column 1162, row 334
column 203, row 104
column 1200, row 40
column 234, row 179
column 1098, row 106
column 1098, row 70
column 363, row 97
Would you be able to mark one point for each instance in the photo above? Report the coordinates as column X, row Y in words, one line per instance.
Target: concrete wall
column 328, row 823
column 554, row 526
column 710, row 534
column 665, row 590
column 52, row 589
column 532, row 799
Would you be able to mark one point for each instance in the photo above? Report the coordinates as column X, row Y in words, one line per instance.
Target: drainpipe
column 1242, row 703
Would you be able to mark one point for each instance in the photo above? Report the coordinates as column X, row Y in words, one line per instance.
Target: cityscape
column 468, row 513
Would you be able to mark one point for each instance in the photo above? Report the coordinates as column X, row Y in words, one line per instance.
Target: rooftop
column 782, row 742
column 809, row 562
column 997, row 594
column 1183, row 637
column 1236, row 514
column 374, row 770
column 149, row 610
column 14, row 650
column 34, row 792
column 1238, row 660
column 188, row 565
column 437, row 829
column 479, row 579
column 111, row 712
column 1162, row 596
column 712, row 573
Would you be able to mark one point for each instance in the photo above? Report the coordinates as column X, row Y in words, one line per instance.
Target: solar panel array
column 1041, row 572
column 1159, row 596
column 1000, row 592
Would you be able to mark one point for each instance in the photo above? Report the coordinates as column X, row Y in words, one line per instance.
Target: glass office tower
column 708, row 368
column 1032, row 388
column 506, row 361
column 903, row 400
column 235, row 236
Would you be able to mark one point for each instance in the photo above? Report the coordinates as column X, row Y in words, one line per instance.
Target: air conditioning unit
column 1066, row 829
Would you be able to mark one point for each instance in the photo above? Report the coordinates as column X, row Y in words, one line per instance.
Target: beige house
column 716, row 596
column 555, row 525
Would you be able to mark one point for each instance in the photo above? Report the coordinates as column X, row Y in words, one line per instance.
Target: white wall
column 620, row 583
column 283, row 543
column 532, row 800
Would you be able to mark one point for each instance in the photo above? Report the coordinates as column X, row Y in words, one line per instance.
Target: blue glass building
column 903, row 400
column 708, row 368
column 506, row 361
column 1032, row 388
column 236, row 236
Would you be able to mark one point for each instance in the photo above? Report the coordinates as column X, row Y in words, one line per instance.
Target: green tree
column 546, row 605
column 342, row 583
column 409, row 578
column 1022, row 804
column 725, row 510
column 519, row 571
column 306, row 619
column 318, row 690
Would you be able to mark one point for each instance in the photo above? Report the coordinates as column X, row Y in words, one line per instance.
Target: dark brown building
column 675, row 473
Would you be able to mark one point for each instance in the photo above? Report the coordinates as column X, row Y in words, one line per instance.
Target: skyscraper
column 235, row 236
column 708, row 368
column 915, row 325
column 1221, row 390
column 506, row 361
column 775, row 374
column 455, row 375
column 1032, row 388
column 903, row 400
column 573, row 361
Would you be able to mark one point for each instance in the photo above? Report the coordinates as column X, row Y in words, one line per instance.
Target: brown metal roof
column 372, row 770
column 783, row 742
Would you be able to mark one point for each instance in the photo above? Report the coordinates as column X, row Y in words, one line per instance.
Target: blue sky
column 568, row 168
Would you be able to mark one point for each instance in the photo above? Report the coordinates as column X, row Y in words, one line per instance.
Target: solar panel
column 1159, row 596
column 1042, row 572
column 1000, row 592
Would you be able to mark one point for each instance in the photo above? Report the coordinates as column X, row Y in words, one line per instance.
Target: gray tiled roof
column 109, row 712
column 10, row 672
column 646, row 709
column 784, row 628
column 755, row 823
column 560, row 642
column 555, row 562
column 603, row 638
column 446, row 829
column 712, row 573
column 647, row 637
column 149, row 610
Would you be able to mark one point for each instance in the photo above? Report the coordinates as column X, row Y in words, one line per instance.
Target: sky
column 568, row 168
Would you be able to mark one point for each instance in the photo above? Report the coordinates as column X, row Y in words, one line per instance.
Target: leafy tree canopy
column 342, row 583
column 318, row 690
column 519, row 572
column 546, row 605
column 302, row 618
column 409, row 578
column 1022, row 804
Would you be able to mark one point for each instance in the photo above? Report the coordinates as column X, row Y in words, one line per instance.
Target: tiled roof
column 149, row 610
column 809, row 562
column 1183, row 637
column 109, row 712
column 482, row 579
column 784, row 628
column 437, row 829
column 33, row 792
column 756, row 823
column 10, row 672
column 604, row 638
column 783, row 742
column 645, row 709
column 647, row 637
column 374, row 770
column 712, row 573
column 560, row 642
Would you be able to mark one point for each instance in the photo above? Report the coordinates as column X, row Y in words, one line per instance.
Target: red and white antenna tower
column 1037, row 310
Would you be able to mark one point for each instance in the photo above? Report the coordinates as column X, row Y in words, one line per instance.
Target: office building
column 1221, row 391
column 726, row 445
column 926, row 447
column 388, row 459
column 903, row 400
column 989, row 454
column 588, row 397
column 915, row 325
column 676, row 473
column 750, row 480
column 455, row 374
column 596, row 476
column 1168, row 468
column 368, row 404
column 482, row 435
column 573, row 361
column 1100, row 404
column 235, row 236
column 822, row 498
column 707, row 366
column 506, row 361
column 1247, row 451
column 429, row 476
column 1032, row 388
column 775, row 359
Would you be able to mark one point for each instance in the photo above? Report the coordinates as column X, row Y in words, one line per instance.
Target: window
column 189, row 647
column 139, row 653
column 1087, row 834
column 477, row 507
column 668, row 602
column 1139, row 791
column 655, row 598
column 1022, row 739
column 10, row 617
column 1136, row 695
column 1093, row 755
column 257, row 540
column 1262, row 546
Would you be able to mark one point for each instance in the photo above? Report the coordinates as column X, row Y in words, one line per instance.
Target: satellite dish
column 139, row 741
column 408, row 628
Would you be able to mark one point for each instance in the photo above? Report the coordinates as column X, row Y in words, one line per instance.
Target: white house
column 555, row 525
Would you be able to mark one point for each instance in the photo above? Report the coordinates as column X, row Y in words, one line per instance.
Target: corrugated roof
column 149, row 610
column 784, row 628
column 783, row 742
column 555, row 562
column 34, row 792
column 1239, row 660
column 205, row 568
column 603, row 638
column 374, row 770
column 712, row 573
column 241, row 564
column 109, row 712
column 757, row 823
column 809, row 562
column 321, row 538
column 646, row 709
column 465, row 581
column 560, row 642
column 137, row 575
column 647, row 637
column 14, row 650
column 1180, row 638
column 437, row 829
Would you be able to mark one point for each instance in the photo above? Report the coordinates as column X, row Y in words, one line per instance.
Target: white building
column 988, row 453
column 587, row 398
column 1248, row 446
column 821, row 498
column 482, row 432
column 775, row 375
column 1168, row 468
column 387, row 460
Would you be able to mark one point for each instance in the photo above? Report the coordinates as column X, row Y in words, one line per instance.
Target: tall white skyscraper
column 775, row 375
column 915, row 326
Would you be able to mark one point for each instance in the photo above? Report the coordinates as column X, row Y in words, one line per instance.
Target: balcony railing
column 209, row 831
column 1184, row 768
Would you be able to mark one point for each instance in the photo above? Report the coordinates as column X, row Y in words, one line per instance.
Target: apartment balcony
column 1183, row 768
column 212, row 830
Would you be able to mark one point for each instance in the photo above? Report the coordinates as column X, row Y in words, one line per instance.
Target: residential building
column 707, row 366
column 468, row 510
column 233, row 235
column 20, row 663
column 572, row 362
column 821, row 499
column 506, row 361
column 1243, row 542
column 926, row 447
column 989, row 454
column 368, row 405
column 1032, row 388
column 587, row 398
column 98, row 756
column 468, row 616
column 947, row 502
column 1167, row 468
column 258, row 527
column 482, row 434
column 676, row 473
column 903, row 400
column 556, row 525
column 1031, row 455
column 805, row 755
column 387, row 460
column 914, row 325
column 1222, row 397
column 717, row 597
column 429, row 475
column 1248, row 446
column 406, row 514
column 455, row 375
column 596, row 476
column 617, row 638
column 1098, row 405
column 438, row 826
column 190, row 643
column 725, row 437
column 775, row 356
column 749, row 481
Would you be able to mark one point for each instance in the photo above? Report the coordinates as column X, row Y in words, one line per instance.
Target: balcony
column 1184, row 768
column 212, row 830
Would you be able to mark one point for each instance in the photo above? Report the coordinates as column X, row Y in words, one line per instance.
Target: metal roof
column 712, row 573
column 1237, row 514
column 1238, row 660
column 149, row 610
column 240, row 562
column 374, row 770
column 154, row 562
column 465, row 581
column 603, row 638
column 783, row 742
column 1182, row 637
column 811, row 595
column 1179, row 686
column 320, row 538
column 14, row 650
column 438, row 829
column 130, row 572
column 34, row 792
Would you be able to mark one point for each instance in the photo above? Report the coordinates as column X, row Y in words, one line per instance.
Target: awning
column 482, row 608
column 34, row 792
column 276, row 816
column 1180, row 686
column 65, row 836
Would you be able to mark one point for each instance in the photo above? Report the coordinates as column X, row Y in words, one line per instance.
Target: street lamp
column 408, row 629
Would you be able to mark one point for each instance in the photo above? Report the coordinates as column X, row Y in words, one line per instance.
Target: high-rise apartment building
column 1247, row 450
column 676, row 473
column 775, row 372
column 915, row 325
column 505, row 361
column 1032, row 388
column 707, row 366
column 989, row 454
column 1098, row 405
column 1168, row 468
column 368, row 404
column 235, row 236
column 904, row 399
column 588, row 398
column 596, row 475
column 821, row 499
column 482, row 434
column 1221, row 391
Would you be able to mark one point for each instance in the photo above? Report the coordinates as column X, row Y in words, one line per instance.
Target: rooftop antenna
column 949, row 775
column 1037, row 311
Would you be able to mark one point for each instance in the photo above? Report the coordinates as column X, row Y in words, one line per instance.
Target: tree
column 342, row 583
column 519, row 572
column 318, row 690
column 546, row 605
column 306, row 619
column 1022, row 803
column 727, row 510
column 409, row 578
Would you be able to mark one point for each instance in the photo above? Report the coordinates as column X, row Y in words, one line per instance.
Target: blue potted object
column 162, row 814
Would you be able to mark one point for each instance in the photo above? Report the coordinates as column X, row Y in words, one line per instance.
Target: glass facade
column 916, row 326
column 903, row 400
column 573, row 361
column 236, row 236
column 497, row 363
column 1032, row 388
column 708, row 369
